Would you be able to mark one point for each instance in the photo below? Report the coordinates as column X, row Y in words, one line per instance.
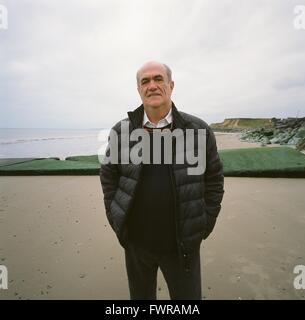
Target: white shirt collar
column 162, row 123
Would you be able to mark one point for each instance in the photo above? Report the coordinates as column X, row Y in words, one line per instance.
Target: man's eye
column 144, row 81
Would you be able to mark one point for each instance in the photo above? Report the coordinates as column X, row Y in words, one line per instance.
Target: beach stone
column 294, row 140
column 285, row 137
column 264, row 141
column 300, row 133
column 268, row 133
column 301, row 145
column 244, row 136
column 283, row 131
column 274, row 140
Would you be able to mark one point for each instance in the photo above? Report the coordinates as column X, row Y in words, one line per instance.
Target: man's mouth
column 154, row 94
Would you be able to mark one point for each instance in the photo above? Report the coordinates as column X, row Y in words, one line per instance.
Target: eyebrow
column 154, row 77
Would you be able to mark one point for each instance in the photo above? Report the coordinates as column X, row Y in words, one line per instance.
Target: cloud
column 73, row 64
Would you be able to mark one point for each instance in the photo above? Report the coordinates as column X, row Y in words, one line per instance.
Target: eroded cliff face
column 238, row 124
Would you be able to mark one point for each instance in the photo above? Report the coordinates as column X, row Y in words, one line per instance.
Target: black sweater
column 151, row 222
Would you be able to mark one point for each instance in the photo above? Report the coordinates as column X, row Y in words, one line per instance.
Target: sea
column 44, row 143
column 58, row 143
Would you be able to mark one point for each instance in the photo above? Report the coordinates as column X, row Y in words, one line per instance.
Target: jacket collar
column 136, row 117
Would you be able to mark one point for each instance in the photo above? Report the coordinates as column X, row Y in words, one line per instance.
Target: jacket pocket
column 123, row 238
column 209, row 222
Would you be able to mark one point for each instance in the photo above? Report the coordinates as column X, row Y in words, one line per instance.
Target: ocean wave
column 15, row 141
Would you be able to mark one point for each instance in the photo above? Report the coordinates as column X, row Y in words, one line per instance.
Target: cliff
column 239, row 124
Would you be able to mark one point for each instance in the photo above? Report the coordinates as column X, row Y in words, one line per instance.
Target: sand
column 231, row 141
column 56, row 242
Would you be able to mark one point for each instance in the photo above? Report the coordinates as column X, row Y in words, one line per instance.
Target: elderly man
column 159, row 212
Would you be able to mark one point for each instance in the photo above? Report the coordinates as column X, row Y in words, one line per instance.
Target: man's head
column 155, row 85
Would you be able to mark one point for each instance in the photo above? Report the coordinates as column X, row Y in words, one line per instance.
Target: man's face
column 154, row 87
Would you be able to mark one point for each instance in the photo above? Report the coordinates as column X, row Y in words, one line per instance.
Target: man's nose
column 152, row 86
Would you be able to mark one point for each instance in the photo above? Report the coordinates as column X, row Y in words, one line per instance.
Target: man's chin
column 154, row 103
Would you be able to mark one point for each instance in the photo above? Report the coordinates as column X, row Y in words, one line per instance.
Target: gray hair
column 167, row 69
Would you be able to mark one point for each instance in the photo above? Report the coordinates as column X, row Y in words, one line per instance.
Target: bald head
column 153, row 64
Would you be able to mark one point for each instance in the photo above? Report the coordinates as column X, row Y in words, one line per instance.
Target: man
column 159, row 212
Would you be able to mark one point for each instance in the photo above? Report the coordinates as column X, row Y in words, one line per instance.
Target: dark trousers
column 142, row 267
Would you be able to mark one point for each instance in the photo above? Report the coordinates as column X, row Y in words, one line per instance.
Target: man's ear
column 172, row 84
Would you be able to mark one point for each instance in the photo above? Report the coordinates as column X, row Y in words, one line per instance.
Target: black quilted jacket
column 197, row 197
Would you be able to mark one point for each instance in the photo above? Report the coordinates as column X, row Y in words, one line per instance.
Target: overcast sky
column 72, row 64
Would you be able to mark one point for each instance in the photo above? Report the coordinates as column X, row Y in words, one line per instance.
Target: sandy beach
column 56, row 242
column 231, row 141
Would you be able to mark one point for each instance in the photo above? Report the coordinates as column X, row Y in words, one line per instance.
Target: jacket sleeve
column 109, row 176
column 214, row 182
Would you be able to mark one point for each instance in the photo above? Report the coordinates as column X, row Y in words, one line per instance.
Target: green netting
column 252, row 162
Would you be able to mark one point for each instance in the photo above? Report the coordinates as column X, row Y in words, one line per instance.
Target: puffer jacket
column 197, row 197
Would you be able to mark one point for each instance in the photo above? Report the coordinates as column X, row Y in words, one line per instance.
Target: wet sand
column 57, row 244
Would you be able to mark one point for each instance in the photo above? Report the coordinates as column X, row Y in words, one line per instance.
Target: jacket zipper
column 181, row 248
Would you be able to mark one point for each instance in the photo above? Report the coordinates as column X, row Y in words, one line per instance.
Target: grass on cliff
column 242, row 123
